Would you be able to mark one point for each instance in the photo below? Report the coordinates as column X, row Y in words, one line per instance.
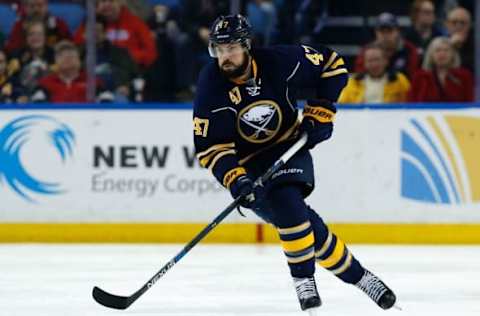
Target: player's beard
column 238, row 71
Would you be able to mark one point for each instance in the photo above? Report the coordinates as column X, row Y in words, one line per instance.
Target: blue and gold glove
column 317, row 122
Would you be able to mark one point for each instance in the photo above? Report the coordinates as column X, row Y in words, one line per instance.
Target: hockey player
column 245, row 117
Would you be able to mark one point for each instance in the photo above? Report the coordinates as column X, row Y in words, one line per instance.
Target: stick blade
column 110, row 300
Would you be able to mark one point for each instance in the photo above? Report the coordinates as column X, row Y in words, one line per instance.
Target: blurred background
column 96, row 146
column 152, row 50
column 95, row 126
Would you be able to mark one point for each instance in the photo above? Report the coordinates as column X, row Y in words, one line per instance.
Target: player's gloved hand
column 243, row 186
column 317, row 122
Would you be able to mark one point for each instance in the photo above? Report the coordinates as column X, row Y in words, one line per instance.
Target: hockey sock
column 298, row 246
column 332, row 254
column 294, row 229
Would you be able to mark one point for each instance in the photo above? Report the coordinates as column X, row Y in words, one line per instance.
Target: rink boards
column 129, row 174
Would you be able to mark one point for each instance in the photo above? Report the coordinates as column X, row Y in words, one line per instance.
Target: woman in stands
column 36, row 58
column 441, row 78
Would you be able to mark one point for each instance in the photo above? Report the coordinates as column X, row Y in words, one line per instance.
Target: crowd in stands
column 424, row 65
column 153, row 50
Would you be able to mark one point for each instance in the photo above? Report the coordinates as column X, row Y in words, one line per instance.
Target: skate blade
column 398, row 308
column 312, row 311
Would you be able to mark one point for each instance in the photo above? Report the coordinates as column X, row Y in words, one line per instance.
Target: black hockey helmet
column 229, row 29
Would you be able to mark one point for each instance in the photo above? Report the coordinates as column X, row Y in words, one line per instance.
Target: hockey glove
column 243, row 186
column 317, row 122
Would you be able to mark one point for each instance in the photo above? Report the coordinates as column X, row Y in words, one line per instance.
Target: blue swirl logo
column 440, row 159
column 26, row 144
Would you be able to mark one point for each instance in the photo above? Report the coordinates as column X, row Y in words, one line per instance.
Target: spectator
column 115, row 66
column 442, row 79
column 402, row 54
column 309, row 19
column 56, row 28
column 262, row 14
column 125, row 30
column 445, row 6
column 36, row 58
column 68, row 84
column 10, row 91
column 376, row 85
column 160, row 80
column 459, row 27
column 141, row 8
column 196, row 16
column 423, row 28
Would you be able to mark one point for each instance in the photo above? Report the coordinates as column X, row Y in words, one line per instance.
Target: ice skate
column 376, row 290
column 307, row 294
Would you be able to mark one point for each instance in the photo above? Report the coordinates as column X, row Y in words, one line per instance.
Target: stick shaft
column 122, row 302
column 220, row 217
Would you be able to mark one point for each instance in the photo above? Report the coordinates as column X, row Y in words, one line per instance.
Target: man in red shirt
column 125, row 30
column 69, row 83
column 56, row 28
column 402, row 54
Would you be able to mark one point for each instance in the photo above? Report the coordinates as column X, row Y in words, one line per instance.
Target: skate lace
column 372, row 286
column 305, row 288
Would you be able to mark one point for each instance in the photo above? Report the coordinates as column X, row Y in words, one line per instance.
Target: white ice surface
column 228, row 280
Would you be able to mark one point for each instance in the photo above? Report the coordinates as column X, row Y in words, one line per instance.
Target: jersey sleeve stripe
column 339, row 62
column 333, row 73
column 214, row 148
column 330, row 61
column 220, row 155
column 205, row 162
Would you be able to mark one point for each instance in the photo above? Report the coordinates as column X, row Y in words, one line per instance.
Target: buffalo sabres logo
column 260, row 121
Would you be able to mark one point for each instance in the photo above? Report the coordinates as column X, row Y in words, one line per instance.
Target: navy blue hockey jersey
column 234, row 122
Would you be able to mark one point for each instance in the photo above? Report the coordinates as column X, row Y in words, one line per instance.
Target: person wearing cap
column 402, row 54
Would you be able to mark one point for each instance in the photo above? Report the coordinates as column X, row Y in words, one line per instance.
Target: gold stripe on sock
column 344, row 266
column 295, row 229
column 298, row 244
column 306, row 257
column 325, row 246
column 335, row 257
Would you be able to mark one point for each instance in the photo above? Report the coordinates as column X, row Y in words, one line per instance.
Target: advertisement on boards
column 139, row 165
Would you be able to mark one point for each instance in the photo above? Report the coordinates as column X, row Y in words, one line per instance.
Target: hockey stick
column 123, row 302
